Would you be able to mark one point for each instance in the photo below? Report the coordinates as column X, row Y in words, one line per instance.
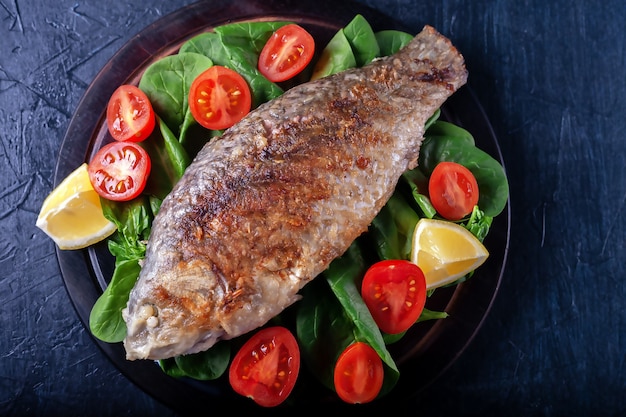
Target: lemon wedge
column 445, row 251
column 72, row 215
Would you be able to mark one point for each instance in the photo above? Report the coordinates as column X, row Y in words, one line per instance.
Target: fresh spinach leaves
column 237, row 46
column 490, row 175
column 166, row 83
column 203, row 366
column 133, row 220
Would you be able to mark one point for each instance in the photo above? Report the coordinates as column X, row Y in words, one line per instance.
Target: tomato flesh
column 219, row 98
column 119, row 171
column 130, row 116
column 358, row 374
column 286, row 53
column 453, row 190
column 395, row 294
column 266, row 367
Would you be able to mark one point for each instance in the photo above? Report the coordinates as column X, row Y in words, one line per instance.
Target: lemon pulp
column 445, row 251
column 72, row 214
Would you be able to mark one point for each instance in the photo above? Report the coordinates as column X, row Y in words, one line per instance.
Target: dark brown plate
column 428, row 350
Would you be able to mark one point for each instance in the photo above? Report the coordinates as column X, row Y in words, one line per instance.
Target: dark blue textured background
column 551, row 77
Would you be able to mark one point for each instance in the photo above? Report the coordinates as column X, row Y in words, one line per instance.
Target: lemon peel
column 445, row 251
column 72, row 215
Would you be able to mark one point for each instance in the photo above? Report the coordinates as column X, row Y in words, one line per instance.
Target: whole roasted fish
column 266, row 208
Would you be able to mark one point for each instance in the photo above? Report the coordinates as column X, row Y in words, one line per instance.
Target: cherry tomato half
column 130, row 116
column 358, row 374
column 266, row 367
column 395, row 294
column 219, row 98
column 453, row 190
column 119, row 171
column 287, row 52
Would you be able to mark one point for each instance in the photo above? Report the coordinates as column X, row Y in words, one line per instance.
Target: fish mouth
column 151, row 335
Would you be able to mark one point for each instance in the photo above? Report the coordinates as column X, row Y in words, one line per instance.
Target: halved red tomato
column 266, row 367
column 119, row 171
column 219, row 98
column 358, row 374
column 287, row 52
column 395, row 294
column 453, row 190
column 130, row 116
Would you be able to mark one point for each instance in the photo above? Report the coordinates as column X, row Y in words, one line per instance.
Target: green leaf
column 492, row 182
column 418, row 184
column 385, row 235
column 431, row 315
column 105, row 320
column 237, row 47
column 405, row 219
column 133, row 220
column 322, row 329
column 166, row 82
column 478, row 223
column 255, row 34
column 170, row 368
column 343, row 275
column 168, row 159
column 391, row 41
column 362, row 40
column 441, row 128
column 337, row 56
column 207, row 365
column 178, row 156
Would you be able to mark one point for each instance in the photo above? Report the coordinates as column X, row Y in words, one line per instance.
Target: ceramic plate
column 427, row 350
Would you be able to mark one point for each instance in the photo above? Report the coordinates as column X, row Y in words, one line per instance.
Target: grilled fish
column 263, row 210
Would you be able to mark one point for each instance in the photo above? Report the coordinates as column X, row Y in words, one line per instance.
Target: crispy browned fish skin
column 267, row 207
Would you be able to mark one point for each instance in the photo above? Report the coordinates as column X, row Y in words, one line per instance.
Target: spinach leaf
column 405, row 218
column 323, row 330
column 431, row 120
column 133, row 220
column 392, row 229
column 169, row 159
column 166, row 82
column 337, row 56
column 446, row 129
column 431, row 315
column 356, row 45
column 178, row 156
column 105, row 320
column 418, row 184
column 391, row 41
column 207, row 365
column 478, row 223
column 490, row 175
column 425, row 316
column 256, row 34
column 237, row 46
column 344, row 274
column 362, row 40
column 169, row 367
column 385, row 235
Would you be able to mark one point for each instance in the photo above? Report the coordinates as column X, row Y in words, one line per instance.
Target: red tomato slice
column 119, row 171
column 358, row 374
column 266, row 367
column 453, row 190
column 219, row 98
column 287, row 52
column 130, row 116
column 395, row 294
